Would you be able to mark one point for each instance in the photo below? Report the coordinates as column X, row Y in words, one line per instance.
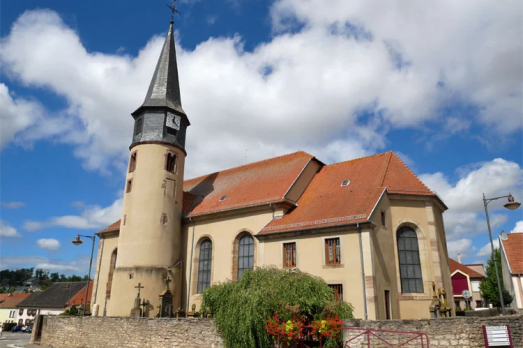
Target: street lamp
column 77, row 242
column 511, row 205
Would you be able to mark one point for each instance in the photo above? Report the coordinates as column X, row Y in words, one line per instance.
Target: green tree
column 489, row 285
column 55, row 277
column 241, row 308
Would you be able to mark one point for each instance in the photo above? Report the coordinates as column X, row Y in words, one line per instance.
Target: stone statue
column 435, row 304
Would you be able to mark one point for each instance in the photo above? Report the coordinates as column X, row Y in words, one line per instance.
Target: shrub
column 241, row 308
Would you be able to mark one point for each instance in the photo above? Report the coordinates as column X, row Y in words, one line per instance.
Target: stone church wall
column 125, row 332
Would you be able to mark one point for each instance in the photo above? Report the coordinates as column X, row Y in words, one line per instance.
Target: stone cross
column 139, row 287
column 167, row 281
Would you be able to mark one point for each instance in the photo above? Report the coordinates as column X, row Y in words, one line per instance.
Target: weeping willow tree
column 241, row 308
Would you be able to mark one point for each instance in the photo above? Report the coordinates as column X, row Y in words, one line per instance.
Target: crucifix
column 173, row 9
column 167, row 281
column 139, row 287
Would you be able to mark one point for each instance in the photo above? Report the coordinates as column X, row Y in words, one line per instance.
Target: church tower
column 149, row 246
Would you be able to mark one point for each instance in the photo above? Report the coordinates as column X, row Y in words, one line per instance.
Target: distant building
column 78, row 299
column 8, row 309
column 52, row 301
column 512, row 266
column 466, row 277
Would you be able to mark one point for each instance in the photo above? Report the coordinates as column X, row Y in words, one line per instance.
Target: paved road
column 13, row 340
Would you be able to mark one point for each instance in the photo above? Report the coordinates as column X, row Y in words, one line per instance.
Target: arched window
column 204, row 266
column 409, row 261
column 245, row 254
column 112, row 266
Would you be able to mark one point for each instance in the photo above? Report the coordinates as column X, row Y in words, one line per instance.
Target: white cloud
column 460, row 246
column 79, row 266
column 12, row 205
column 7, row 230
column 518, row 228
column 324, row 88
column 57, row 267
column 49, row 244
column 466, row 216
column 93, row 216
column 486, row 250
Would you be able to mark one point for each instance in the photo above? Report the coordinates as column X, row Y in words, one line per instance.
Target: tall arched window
column 409, row 261
column 112, row 266
column 245, row 254
column 204, row 266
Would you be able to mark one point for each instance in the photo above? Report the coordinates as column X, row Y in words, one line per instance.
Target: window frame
column 338, row 291
column 132, row 161
column 336, row 251
column 138, row 126
column 409, row 266
column 204, row 283
column 240, row 270
column 293, row 254
column 169, row 165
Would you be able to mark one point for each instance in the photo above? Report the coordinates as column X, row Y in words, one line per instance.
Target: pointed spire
column 164, row 90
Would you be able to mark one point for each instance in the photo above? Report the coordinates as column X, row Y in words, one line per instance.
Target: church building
column 369, row 227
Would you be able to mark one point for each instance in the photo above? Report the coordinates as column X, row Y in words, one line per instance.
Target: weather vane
column 173, row 9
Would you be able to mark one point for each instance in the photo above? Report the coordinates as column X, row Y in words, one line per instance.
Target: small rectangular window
column 338, row 292
column 129, row 185
column 332, row 251
column 289, row 255
column 138, row 126
column 170, row 162
column 383, row 219
column 132, row 162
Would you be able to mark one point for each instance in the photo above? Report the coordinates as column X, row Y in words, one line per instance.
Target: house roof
column 456, row 266
column 11, row 300
column 252, row 184
column 513, row 246
column 78, row 299
column 326, row 203
column 56, row 296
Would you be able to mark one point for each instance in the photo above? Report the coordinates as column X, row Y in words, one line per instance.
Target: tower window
column 170, row 162
column 164, row 219
column 383, row 219
column 132, row 162
column 129, row 185
column 138, row 126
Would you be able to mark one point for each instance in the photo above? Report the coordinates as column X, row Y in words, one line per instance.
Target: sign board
column 466, row 294
column 497, row 336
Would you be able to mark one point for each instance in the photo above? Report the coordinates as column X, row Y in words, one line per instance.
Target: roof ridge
column 356, row 159
column 249, row 164
column 411, row 172
column 386, row 169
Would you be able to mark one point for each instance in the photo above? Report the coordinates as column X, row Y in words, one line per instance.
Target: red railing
column 365, row 337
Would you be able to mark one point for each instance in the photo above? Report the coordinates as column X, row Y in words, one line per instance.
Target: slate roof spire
column 164, row 90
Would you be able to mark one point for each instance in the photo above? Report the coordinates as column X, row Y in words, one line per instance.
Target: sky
column 438, row 82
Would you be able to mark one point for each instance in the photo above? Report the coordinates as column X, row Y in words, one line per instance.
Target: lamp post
column 511, row 205
column 77, row 242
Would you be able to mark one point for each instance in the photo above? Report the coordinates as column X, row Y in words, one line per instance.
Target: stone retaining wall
column 462, row 332
column 119, row 332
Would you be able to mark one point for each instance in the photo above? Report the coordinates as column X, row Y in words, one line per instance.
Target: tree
column 489, row 285
column 55, row 277
column 241, row 309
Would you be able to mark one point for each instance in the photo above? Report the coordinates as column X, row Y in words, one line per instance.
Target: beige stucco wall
column 421, row 214
column 222, row 231
column 4, row 315
column 148, row 248
column 310, row 250
column 106, row 245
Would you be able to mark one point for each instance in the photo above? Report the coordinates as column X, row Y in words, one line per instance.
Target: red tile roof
column 252, row 184
column 326, row 203
column 455, row 265
column 10, row 301
column 78, row 299
column 115, row 226
column 513, row 247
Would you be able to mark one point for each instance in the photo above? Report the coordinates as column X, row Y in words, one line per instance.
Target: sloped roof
column 513, row 247
column 115, row 226
column 56, row 296
column 326, row 203
column 456, row 266
column 10, row 301
column 252, row 184
column 78, row 299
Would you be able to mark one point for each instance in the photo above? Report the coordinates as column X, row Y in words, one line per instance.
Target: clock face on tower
column 173, row 121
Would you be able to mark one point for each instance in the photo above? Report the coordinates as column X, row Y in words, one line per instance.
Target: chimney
column 459, row 258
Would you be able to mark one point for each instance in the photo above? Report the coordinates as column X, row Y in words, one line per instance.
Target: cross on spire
column 139, row 287
column 167, row 281
column 173, row 10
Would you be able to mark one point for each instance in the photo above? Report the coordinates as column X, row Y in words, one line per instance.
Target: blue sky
column 439, row 83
